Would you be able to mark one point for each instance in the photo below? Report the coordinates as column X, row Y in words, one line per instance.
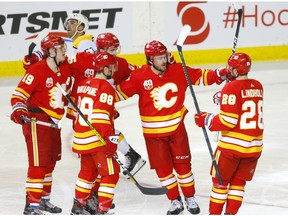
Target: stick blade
column 37, row 40
column 152, row 191
column 41, row 35
column 183, row 35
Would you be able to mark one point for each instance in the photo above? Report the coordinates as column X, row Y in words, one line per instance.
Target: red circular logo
column 192, row 15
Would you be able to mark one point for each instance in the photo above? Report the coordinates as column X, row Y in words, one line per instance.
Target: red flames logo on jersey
column 160, row 96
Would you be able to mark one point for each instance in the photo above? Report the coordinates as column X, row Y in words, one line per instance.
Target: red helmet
column 104, row 59
column 50, row 41
column 106, row 40
column 155, row 48
column 241, row 62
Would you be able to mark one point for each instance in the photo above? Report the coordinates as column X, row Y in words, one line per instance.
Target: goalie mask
column 241, row 62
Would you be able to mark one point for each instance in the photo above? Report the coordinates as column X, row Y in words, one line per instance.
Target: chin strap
column 76, row 32
column 54, row 58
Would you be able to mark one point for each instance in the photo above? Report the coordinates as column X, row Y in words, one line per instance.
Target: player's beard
column 162, row 68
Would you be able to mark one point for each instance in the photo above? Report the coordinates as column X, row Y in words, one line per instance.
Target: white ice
column 266, row 194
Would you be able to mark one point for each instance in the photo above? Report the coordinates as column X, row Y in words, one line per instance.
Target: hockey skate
column 176, row 207
column 192, row 205
column 111, row 211
column 46, row 205
column 31, row 210
column 78, row 209
column 91, row 206
column 133, row 162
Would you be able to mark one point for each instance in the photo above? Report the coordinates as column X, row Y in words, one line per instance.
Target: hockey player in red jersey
column 108, row 42
column 37, row 97
column 161, row 88
column 241, row 124
column 82, row 68
column 81, row 65
column 96, row 98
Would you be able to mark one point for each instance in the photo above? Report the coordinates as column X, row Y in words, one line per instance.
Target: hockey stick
column 37, row 40
column 239, row 12
column 26, row 119
column 235, row 41
column 144, row 190
column 183, row 35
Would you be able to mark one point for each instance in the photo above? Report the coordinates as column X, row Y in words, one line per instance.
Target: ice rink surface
column 266, row 194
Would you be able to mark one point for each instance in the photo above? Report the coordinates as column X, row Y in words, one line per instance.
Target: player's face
column 61, row 52
column 110, row 70
column 232, row 71
column 160, row 62
column 71, row 27
column 113, row 50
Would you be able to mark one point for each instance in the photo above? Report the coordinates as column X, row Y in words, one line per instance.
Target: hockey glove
column 19, row 110
column 111, row 145
column 35, row 57
column 222, row 74
column 217, row 98
column 203, row 119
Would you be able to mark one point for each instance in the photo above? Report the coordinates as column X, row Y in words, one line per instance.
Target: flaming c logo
column 192, row 15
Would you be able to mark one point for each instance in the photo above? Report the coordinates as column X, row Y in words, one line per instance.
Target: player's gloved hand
column 171, row 59
column 111, row 145
column 203, row 119
column 35, row 57
column 116, row 114
column 217, row 98
column 222, row 74
column 19, row 110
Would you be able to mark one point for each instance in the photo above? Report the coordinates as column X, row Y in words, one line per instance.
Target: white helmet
column 80, row 18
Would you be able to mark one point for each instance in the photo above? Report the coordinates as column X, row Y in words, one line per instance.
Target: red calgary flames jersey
column 81, row 66
column 96, row 99
column 241, row 117
column 38, row 89
column 123, row 72
column 161, row 98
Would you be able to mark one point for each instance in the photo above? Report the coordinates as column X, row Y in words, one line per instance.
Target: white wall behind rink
column 135, row 23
